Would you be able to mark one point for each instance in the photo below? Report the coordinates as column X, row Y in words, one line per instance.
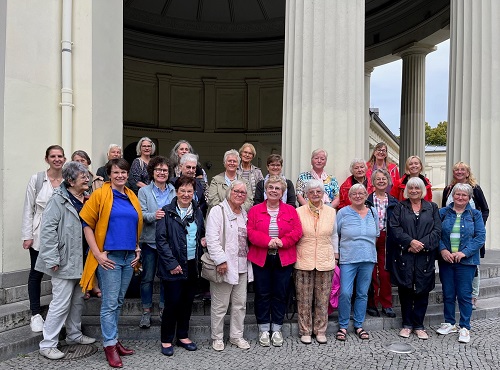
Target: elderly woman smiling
column 358, row 230
column 246, row 169
column 274, row 168
column 358, row 176
column 316, row 254
column 221, row 182
column 462, row 236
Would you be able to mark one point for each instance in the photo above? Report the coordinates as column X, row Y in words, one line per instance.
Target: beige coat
column 317, row 247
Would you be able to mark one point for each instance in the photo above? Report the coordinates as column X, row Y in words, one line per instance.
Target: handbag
column 208, row 266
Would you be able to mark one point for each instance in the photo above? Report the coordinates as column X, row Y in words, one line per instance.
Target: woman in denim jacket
column 462, row 236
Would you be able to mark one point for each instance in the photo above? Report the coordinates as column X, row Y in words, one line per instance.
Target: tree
column 436, row 135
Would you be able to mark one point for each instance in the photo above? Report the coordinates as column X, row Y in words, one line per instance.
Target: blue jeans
column 271, row 288
column 456, row 279
column 362, row 272
column 149, row 262
column 114, row 285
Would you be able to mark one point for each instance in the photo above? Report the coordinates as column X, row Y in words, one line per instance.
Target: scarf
column 322, row 178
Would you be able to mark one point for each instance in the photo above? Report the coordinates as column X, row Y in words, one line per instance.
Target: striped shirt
column 455, row 234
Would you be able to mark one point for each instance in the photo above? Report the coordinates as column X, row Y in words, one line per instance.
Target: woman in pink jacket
column 273, row 230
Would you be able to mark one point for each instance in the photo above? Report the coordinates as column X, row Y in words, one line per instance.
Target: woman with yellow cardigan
column 317, row 251
column 112, row 223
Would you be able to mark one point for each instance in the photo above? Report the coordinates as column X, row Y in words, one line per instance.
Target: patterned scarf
column 324, row 176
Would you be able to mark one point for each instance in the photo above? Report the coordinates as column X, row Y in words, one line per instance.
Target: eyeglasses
column 185, row 192
column 240, row 192
column 274, row 165
column 161, row 170
column 382, row 150
column 359, row 195
column 271, row 187
column 231, row 161
column 315, row 192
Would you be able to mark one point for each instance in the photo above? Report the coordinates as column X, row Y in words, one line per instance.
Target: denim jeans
column 149, row 262
column 413, row 307
column 456, row 279
column 114, row 284
column 271, row 289
column 362, row 272
column 34, row 284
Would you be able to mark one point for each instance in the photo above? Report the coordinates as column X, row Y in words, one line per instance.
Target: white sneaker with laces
column 36, row 323
column 81, row 340
column 51, row 353
column 447, row 328
column 464, row 336
column 240, row 343
column 277, row 339
column 218, row 345
column 264, row 340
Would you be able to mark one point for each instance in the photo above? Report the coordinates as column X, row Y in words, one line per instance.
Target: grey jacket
column 61, row 238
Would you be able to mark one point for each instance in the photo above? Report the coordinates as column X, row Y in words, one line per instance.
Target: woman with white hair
column 114, row 152
column 181, row 148
column 358, row 176
column 318, row 162
column 413, row 241
column 221, row 182
column 139, row 176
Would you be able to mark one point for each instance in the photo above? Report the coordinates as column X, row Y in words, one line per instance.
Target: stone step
column 18, row 314
column 20, row 292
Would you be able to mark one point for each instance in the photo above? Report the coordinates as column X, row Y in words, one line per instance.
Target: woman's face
column 80, row 159
column 246, row 154
column 381, row 153
column 114, row 153
column 231, row 163
column 381, row 181
column 460, row 174
column 318, row 162
column 182, row 149
column 359, row 170
column 461, row 198
column 146, row 148
column 55, row 159
column 238, row 195
column 81, row 184
column 185, row 195
column 315, row 195
column 274, row 191
column 118, row 177
column 274, row 168
column 414, row 192
column 160, row 173
column 358, row 197
column 414, row 167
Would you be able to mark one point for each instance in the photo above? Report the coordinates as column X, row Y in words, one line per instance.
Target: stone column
column 412, row 139
column 368, row 74
column 323, row 100
column 474, row 109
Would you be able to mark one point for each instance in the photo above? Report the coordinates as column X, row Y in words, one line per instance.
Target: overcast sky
column 386, row 89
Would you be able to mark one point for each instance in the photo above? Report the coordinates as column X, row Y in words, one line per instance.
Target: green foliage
column 436, row 135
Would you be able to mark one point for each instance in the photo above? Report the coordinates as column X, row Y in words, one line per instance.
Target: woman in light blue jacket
column 462, row 236
column 152, row 197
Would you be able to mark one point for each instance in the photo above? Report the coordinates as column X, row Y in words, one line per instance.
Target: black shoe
column 389, row 312
column 372, row 311
column 167, row 351
column 189, row 346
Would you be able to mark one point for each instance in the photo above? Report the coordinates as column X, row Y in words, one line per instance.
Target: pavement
column 439, row 352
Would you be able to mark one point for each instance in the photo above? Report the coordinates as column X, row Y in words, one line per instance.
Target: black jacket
column 291, row 198
column 200, row 194
column 171, row 241
column 413, row 270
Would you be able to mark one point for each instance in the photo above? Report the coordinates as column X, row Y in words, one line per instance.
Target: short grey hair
column 274, row 179
column 462, row 187
column 412, row 182
column 317, row 151
column 72, row 170
column 139, row 143
column 234, row 184
column 313, row 184
column 357, row 187
column 112, row 146
column 189, row 157
column 382, row 171
column 231, row 152
column 356, row 161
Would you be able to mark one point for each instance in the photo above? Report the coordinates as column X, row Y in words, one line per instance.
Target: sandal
column 96, row 293
column 86, row 296
column 362, row 334
column 341, row 335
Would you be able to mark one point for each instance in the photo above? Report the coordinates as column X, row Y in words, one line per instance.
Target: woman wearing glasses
column 378, row 160
column 275, row 168
column 139, row 169
column 273, row 231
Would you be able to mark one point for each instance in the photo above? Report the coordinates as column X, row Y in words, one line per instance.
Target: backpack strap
column 40, row 177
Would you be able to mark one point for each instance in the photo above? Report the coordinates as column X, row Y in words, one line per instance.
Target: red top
column 290, row 231
column 391, row 168
column 344, row 191
column 400, row 185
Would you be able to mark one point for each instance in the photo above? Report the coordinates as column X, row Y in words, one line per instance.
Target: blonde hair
column 252, row 149
column 407, row 164
column 471, row 180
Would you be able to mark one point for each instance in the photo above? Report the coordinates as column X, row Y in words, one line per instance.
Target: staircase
column 17, row 338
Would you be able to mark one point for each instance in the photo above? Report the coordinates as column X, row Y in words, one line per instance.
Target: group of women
column 386, row 231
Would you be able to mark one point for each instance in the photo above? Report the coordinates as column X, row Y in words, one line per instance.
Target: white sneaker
column 36, row 323
column 51, row 353
column 447, row 328
column 240, row 343
column 277, row 339
column 83, row 339
column 464, row 336
column 218, row 345
column 264, row 340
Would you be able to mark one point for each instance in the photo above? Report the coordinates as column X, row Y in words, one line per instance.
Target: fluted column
column 474, row 99
column 323, row 84
column 412, row 126
column 368, row 75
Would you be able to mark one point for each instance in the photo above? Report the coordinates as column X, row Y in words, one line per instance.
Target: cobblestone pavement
column 439, row 352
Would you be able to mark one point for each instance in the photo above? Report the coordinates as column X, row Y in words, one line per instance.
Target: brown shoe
column 123, row 351
column 112, row 356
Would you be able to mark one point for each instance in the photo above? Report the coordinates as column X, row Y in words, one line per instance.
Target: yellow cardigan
column 95, row 213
